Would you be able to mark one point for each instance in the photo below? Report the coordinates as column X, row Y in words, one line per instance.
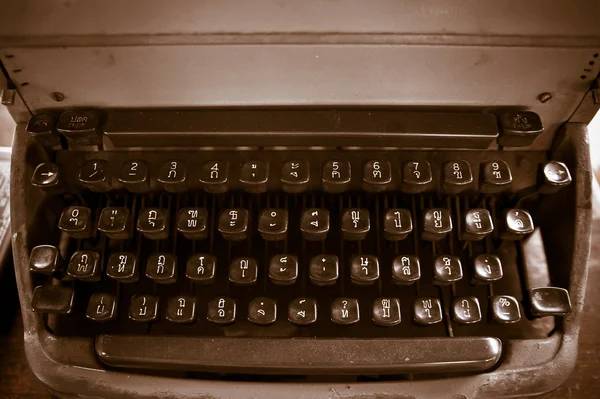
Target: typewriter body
column 315, row 199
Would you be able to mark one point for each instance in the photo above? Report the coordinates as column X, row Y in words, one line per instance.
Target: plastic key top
column 76, row 221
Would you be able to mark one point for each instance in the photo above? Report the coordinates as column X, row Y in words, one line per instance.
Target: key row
column 302, row 311
column 283, row 269
column 234, row 223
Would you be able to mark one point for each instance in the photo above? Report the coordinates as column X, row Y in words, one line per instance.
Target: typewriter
column 257, row 201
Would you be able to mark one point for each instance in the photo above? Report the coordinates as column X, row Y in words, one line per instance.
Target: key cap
column 283, row 269
column 505, row 309
column 519, row 128
column 200, row 268
column 345, row 311
column 377, row 176
column 153, row 223
column 101, row 307
column 273, row 224
column 135, row 176
column 262, row 311
column 221, row 310
column 495, row 177
column 517, row 224
column 397, row 224
column 549, row 301
column 243, row 271
column 457, row 177
column 76, row 221
column 386, row 312
column 95, row 176
column 47, row 176
column 85, row 266
column 233, row 224
column 45, row 259
column 295, row 176
column 478, row 225
column 115, row 223
column 302, row 311
column 144, row 308
column 364, row 269
column 214, row 177
column 173, row 176
column 181, row 309
column 324, row 270
column 81, row 128
column 336, row 176
column 162, row 268
column 42, row 128
column 123, row 267
column 427, row 311
column 355, row 224
column 554, row 176
column 487, row 268
column 466, row 310
column 52, row 299
column 314, row 224
column 436, row 224
column 447, row 269
column 254, row 176
column 416, row 177
column 192, row 223
column 406, row 270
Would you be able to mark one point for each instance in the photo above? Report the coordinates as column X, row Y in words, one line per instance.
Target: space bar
column 299, row 355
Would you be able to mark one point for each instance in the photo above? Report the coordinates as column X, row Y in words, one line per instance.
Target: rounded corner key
column 52, row 299
column 95, row 175
column 214, row 176
column 76, row 221
column 47, row 176
column 173, row 176
column 45, row 259
column 336, row 176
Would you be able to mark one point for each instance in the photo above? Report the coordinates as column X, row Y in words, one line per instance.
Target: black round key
column 135, row 176
column 554, row 176
column 336, row 176
column 214, row 176
column 457, row 177
column 487, row 268
column 397, row 224
column 52, row 299
column 144, row 308
column 173, row 176
column 302, row 311
column 355, row 224
column 42, row 128
column 436, row 224
column 162, row 268
column 45, row 259
column 364, row 269
column 519, row 128
column 495, row 177
column 517, row 224
column 283, row 269
column 181, row 309
column 295, row 176
column 85, row 266
column 76, row 221
column 324, row 270
column 345, row 311
column 221, row 310
column 427, row 311
column 377, row 176
column 81, row 128
column 406, row 270
column 200, row 268
column 466, row 310
column 314, row 224
column 478, row 225
column 47, row 176
column 273, row 224
column 549, row 301
column 416, row 177
column 505, row 309
column 386, row 312
column 95, row 176
column 115, row 223
column 262, row 311
column 243, row 271
column 101, row 307
column 254, row 176
column 192, row 223
column 447, row 269
column 123, row 267
column 153, row 223
column 233, row 224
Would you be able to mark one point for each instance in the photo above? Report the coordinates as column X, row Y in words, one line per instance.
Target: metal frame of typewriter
column 556, row 46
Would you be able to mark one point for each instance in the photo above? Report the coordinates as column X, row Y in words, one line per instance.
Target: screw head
column 57, row 96
column 544, row 97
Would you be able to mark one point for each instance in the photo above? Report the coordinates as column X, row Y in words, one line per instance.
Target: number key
column 377, row 176
column 135, row 176
column 416, row 177
column 214, row 176
column 495, row 177
column 336, row 176
column 172, row 175
column 76, row 221
column 458, row 177
column 94, row 175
